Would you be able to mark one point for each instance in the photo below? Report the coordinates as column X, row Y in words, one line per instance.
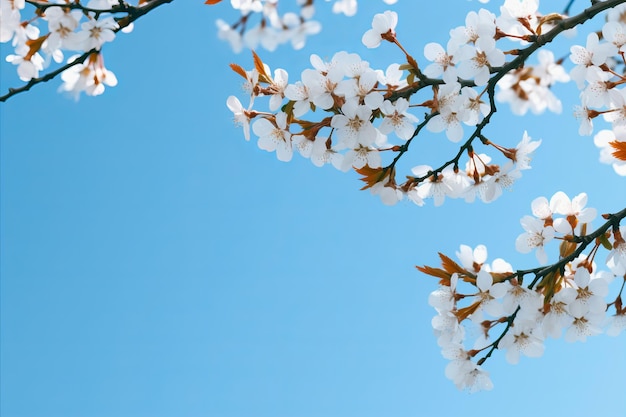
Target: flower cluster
column 517, row 311
column 362, row 107
column 69, row 27
column 596, row 76
column 274, row 29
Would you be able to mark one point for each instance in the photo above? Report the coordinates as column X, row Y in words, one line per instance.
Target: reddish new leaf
column 258, row 64
column 620, row 150
column 444, row 277
column 372, row 176
column 239, row 70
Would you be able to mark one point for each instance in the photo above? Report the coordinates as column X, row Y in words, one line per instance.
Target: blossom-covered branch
column 367, row 123
column 568, row 294
column 65, row 33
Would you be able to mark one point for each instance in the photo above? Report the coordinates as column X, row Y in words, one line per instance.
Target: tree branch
column 133, row 13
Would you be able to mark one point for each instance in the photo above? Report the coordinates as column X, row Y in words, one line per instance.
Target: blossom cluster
column 68, row 27
column 517, row 311
column 596, row 76
column 274, row 29
column 363, row 107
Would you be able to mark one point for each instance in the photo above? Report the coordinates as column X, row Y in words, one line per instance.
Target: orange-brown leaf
column 212, row 2
column 34, row 46
column 450, row 266
column 371, row 176
column 239, row 70
column 620, row 150
column 465, row 312
column 258, row 64
column 444, row 277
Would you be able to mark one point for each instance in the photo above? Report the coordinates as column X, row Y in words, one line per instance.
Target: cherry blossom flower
column 277, row 87
column 574, row 211
column 589, row 324
column 397, row 119
column 354, row 126
column 589, row 294
column 466, row 374
column 616, row 324
column 303, row 145
column 475, row 107
column 528, row 301
column 522, row 339
column 488, row 294
column 472, row 259
column 475, row 63
column 28, row 65
column 557, row 316
column 301, row 95
column 529, row 88
column 89, row 77
column 361, row 88
column 524, row 151
column 434, row 188
column 347, row 7
column 503, row 179
column 265, row 35
column 443, row 298
column 442, row 62
column 602, row 140
column 247, row 6
column 10, row 19
column 361, row 156
column 382, row 24
column 321, row 154
column 479, row 30
column 274, row 137
column 392, row 77
column 299, row 29
column 616, row 259
column 389, row 194
column 228, row 33
column 242, row 116
column 535, row 237
column 321, row 87
column 513, row 15
column 61, row 25
column 95, row 32
column 598, row 93
column 615, row 33
column 585, row 116
column 451, row 113
column 594, row 54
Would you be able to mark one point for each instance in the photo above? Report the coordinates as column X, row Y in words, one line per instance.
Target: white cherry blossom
column 535, row 238
column 382, row 24
column 274, row 137
column 397, row 119
column 353, row 126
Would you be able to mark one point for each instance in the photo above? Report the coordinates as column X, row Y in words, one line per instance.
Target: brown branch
column 133, row 13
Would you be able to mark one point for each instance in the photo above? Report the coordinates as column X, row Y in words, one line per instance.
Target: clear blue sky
column 153, row 263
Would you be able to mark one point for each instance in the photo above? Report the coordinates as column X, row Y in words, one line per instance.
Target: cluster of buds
column 517, row 311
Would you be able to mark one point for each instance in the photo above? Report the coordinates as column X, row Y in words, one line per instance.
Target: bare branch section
column 132, row 13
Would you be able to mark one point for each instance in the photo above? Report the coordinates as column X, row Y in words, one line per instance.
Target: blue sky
column 154, row 263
